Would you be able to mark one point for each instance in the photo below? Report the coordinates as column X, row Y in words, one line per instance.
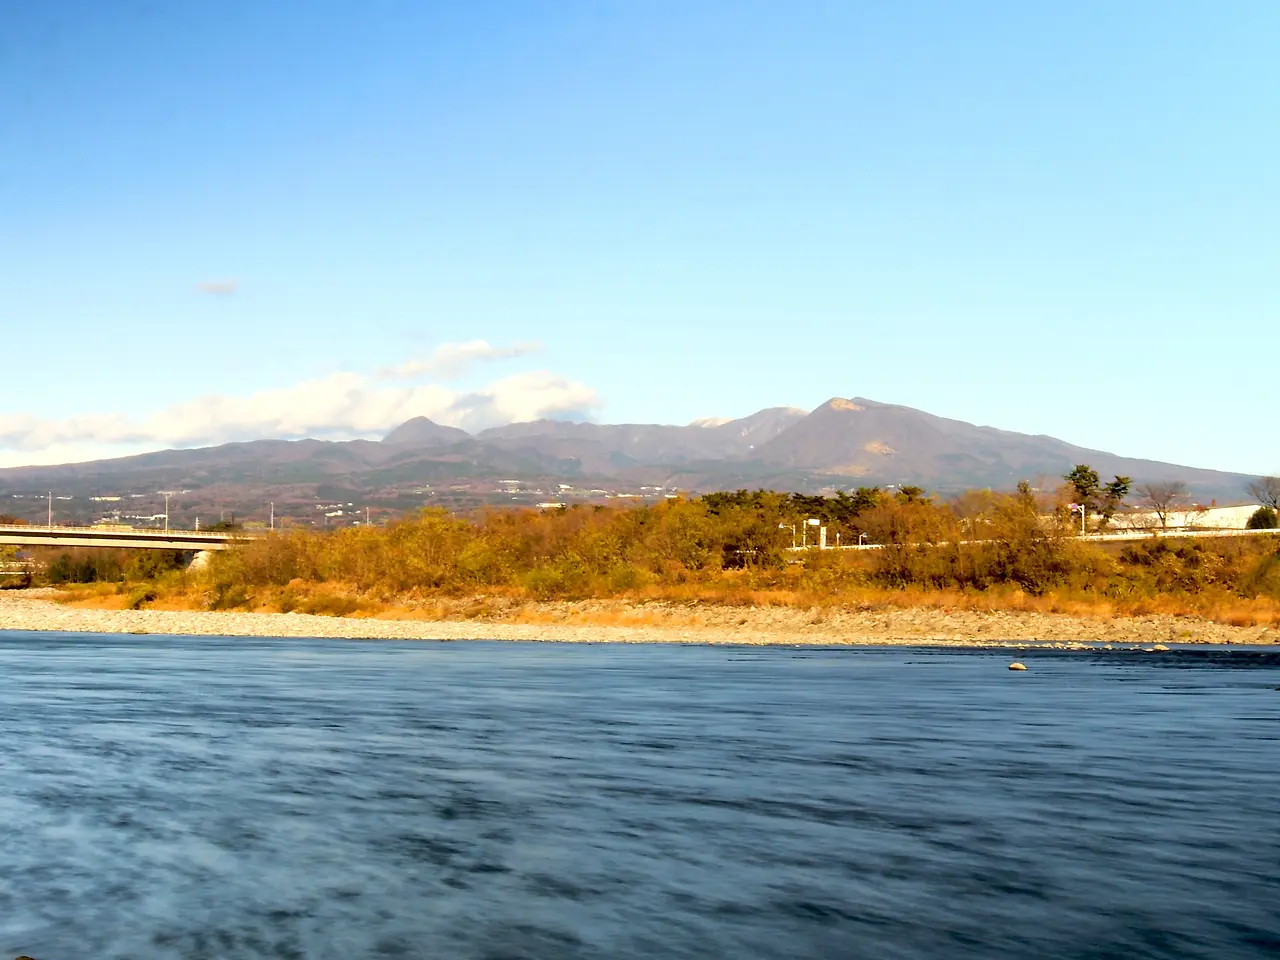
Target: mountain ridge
column 842, row 443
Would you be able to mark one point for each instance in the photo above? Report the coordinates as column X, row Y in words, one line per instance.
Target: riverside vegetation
column 979, row 551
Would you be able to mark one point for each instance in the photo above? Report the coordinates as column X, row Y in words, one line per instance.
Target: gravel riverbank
column 621, row 622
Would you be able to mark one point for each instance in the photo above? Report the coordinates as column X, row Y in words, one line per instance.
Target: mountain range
column 843, row 443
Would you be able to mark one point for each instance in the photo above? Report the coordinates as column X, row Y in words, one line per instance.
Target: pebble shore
column 654, row 623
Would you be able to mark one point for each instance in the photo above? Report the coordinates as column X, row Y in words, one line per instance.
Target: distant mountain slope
column 893, row 444
column 842, row 443
column 646, row 443
column 229, row 462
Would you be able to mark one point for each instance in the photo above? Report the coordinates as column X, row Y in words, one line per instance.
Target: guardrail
column 1176, row 533
column 1118, row 536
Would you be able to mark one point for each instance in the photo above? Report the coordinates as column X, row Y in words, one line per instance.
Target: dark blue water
column 169, row 798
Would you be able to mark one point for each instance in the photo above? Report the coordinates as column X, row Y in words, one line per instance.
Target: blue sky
column 225, row 221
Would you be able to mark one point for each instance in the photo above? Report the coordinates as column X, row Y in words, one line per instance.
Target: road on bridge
column 127, row 537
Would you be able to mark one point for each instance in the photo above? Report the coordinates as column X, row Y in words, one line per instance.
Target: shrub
column 625, row 577
column 287, row 602
column 141, row 595
column 1264, row 518
column 1264, row 579
column 227, row 596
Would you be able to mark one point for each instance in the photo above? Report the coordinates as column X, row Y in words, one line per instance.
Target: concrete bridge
column 128, row 537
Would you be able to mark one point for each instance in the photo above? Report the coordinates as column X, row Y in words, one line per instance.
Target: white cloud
column 451, row 360
column 337, row 407
column 218, row 288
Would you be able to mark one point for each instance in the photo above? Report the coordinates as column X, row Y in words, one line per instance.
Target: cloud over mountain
column 339, row 406
column 452, row 360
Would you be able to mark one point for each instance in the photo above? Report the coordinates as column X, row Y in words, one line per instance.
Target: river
column 225, row 798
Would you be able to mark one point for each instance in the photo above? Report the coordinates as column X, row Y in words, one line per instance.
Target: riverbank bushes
column 83, row 565
column 991, row 549
column 983, row 550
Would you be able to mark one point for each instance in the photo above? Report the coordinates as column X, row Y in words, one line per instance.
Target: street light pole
column 50, row 509
column 792, row 526
column 273, row 515
column 166, row 513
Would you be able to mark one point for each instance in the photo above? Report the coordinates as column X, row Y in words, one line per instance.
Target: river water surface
column 210, row 798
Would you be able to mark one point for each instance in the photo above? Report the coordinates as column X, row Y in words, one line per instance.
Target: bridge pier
column 200, row 561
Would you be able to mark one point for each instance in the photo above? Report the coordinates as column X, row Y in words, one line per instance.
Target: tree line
column 726, row 545
column 739, row 544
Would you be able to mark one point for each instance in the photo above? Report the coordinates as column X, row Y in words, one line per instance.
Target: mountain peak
column 842, row 405
column 424, row 432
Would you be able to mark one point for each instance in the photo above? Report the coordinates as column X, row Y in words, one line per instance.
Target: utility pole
column 273, row 515
column 166, row 513
column 50, row 509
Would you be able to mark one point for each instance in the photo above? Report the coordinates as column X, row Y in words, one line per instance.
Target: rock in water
column 1017, row 666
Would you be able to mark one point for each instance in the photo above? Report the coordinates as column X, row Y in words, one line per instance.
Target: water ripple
column 189, row 798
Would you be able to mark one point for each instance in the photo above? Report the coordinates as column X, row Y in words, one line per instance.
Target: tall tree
column 1113, row 495
column 1163, row 498
column 1092, row 495
column 1084, row 482
column 1266, row 490
column 911, row 494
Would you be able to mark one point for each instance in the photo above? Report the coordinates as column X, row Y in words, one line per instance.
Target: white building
column 1195, row 517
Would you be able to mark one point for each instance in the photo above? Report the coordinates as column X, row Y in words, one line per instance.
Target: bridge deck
column 132, row 538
